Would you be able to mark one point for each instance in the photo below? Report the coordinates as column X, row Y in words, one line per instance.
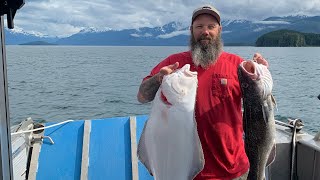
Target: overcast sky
column 65, row 17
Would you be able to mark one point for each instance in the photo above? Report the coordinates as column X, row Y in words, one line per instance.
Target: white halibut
column 169, row 146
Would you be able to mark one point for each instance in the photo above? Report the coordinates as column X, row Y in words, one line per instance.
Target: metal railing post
column 5, row 136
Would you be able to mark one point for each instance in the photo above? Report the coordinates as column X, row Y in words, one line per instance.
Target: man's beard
column 205, row 55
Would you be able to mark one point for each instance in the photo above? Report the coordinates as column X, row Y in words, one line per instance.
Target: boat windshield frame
column 9, row 9
column 5, row 136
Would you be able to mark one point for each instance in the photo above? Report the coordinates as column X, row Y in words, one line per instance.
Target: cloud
column 66, row 17
column 260, row 9
column 271, row 22
column 173, row 34
column 144, row 35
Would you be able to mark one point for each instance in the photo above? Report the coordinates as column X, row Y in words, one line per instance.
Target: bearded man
column 218, row 101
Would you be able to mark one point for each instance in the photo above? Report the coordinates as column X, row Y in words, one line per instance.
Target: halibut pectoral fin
column 272, row 155
column 142, row 150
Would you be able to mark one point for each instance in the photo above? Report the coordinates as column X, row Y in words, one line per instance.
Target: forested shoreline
column 288, row 38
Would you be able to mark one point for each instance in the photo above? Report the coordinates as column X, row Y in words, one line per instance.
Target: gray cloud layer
column 66, row 17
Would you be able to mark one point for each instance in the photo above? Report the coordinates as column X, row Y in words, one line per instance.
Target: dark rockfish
column 258, row 118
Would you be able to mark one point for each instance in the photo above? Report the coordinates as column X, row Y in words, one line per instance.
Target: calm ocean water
column 55, row 83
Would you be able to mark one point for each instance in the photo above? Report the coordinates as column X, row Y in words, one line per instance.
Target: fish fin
column 272, row 155
column 264, row 113
column 142, row 152
column 267, row 106
column 274, row 102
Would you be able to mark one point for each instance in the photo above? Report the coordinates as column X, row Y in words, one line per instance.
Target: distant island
column 37, row 43
column 288, row 38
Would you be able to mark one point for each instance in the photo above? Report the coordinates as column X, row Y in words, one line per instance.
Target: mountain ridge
column 238, row 31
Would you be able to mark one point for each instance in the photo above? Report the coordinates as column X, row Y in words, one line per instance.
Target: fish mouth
column 189, row 73
column 249, row 69
column 249, row 66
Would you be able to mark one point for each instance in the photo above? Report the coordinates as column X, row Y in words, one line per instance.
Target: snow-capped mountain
column 237, row 32
column 94, row 30
column 18, row 36
column 287, row 18
column 173, row 33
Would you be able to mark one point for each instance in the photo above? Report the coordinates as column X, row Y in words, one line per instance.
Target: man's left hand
column 257, row 57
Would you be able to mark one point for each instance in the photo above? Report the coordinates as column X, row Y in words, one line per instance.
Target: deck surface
column 61, row 160
column 109, row 155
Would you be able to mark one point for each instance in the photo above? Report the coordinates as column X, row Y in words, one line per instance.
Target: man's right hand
column 167, row 70
column 149, row 87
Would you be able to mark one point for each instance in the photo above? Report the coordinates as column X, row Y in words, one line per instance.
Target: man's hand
column 149, row 87
column 257, row 57
column 167, row 70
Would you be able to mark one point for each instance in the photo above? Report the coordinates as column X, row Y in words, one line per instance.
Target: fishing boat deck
column 91, row 149
column 106, row 149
